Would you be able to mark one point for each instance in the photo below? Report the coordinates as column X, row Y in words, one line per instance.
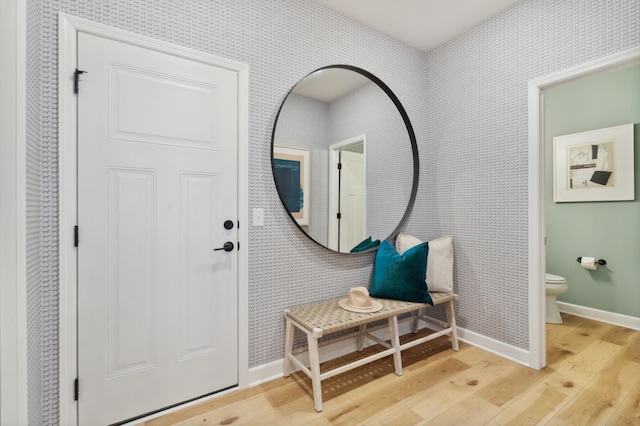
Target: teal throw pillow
column 365, row 245
column 401, row 277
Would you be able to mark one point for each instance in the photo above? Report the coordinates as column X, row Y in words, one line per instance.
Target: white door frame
column 69, row 26
column 13, row 281
column 537, row 323
column 332, row 238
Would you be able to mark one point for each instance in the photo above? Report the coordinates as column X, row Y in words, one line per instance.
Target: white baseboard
column 494, row 346
column 274, row 370
column 598, row 315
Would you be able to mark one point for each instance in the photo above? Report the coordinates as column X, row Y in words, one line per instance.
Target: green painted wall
column 606, row 230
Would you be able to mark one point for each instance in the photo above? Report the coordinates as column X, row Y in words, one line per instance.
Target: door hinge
column 238, row 245
column 76, row 79
column 339, row 216
column 76, row 389
column 339, row 166
column 76, row 236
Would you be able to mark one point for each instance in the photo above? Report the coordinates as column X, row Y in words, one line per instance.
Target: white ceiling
column 327, row 85
column 423, row 24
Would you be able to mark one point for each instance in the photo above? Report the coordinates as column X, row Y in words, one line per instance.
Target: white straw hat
column 359, row 301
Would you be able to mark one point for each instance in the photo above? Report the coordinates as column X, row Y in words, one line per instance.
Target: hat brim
column 375, row 306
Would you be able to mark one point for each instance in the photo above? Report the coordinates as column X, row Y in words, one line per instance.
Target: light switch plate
column 258, row 217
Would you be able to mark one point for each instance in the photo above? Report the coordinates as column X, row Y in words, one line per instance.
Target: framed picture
column 594, row 166
column 291, row 168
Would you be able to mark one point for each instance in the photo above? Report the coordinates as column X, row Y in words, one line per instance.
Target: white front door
column 157, row 179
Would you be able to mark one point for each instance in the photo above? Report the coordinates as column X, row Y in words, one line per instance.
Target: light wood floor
column 592, row 377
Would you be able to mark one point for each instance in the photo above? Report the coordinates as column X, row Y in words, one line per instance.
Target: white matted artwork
column 594, row 166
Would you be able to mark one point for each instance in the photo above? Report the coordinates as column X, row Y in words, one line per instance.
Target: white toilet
column 554, row 285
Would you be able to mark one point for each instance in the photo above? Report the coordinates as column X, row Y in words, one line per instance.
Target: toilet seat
column 554, row 279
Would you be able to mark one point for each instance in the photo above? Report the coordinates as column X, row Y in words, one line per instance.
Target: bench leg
column 416, row 322
column 452, row 323
column 288, row 346
column 363, row 331
column 314, row 359
column 395, row 343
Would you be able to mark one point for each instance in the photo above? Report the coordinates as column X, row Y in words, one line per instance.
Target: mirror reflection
column 344, row 158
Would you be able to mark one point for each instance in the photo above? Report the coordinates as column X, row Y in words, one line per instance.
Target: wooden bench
column 324, row 318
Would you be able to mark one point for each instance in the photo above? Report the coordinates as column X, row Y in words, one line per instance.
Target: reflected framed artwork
column 594, row 166
column 291, row 169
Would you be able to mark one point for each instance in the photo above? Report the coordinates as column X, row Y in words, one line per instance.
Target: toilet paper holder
column 600, row 262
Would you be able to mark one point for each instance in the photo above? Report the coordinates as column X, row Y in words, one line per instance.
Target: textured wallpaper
column 34, row 197
column 475, row 160
column 467, row 101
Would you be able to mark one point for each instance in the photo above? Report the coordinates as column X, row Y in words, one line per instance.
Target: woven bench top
column 330, row 318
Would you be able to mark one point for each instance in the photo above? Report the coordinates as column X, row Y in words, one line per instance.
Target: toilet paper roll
column 589, row 263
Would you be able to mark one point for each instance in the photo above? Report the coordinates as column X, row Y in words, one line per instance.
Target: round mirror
column 344, row 159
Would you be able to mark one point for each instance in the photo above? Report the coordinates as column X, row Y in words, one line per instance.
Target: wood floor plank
column 470, row 354
column 538, row 404
column 628, row 413
column 556, row 331
column 288, row 391
column 511, row 385
column 581, row 335
column 239, row 413
column 428, row 352
column 398, row 414
column 204, row 407
column 431, row 402
column 591, row 360
column 618, row 335
column 360, row 407
column 301, row 417
column 473, row 410
column 632, row 349
column 535, row 407
column 557, row 356
column 602, row 396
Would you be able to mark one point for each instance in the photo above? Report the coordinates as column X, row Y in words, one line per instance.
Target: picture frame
column 597, row 165
column 292, row 171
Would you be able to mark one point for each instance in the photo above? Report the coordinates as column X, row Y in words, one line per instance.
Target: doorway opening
column 347, row 193
column 537, row 251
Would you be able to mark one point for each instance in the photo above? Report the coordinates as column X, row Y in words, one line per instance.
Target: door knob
column 228, row 246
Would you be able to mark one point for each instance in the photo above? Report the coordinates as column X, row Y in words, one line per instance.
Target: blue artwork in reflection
column 288, row 177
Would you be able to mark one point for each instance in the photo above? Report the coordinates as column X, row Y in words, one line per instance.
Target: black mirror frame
column 412, row 138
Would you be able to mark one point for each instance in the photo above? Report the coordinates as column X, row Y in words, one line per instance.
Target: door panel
column 131, row 216
column 139, row 111
column 198, row 272
column 353, row 223
column 157, row 306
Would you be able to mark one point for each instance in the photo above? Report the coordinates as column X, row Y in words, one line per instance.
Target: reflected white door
column 353, row 221
column 157, row 179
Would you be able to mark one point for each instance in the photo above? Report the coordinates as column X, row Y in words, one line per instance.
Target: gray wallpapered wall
column 475, row 165
column 37, row 359
column 467, row 101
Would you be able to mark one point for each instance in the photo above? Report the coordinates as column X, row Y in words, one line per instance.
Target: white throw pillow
column 439, row 261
